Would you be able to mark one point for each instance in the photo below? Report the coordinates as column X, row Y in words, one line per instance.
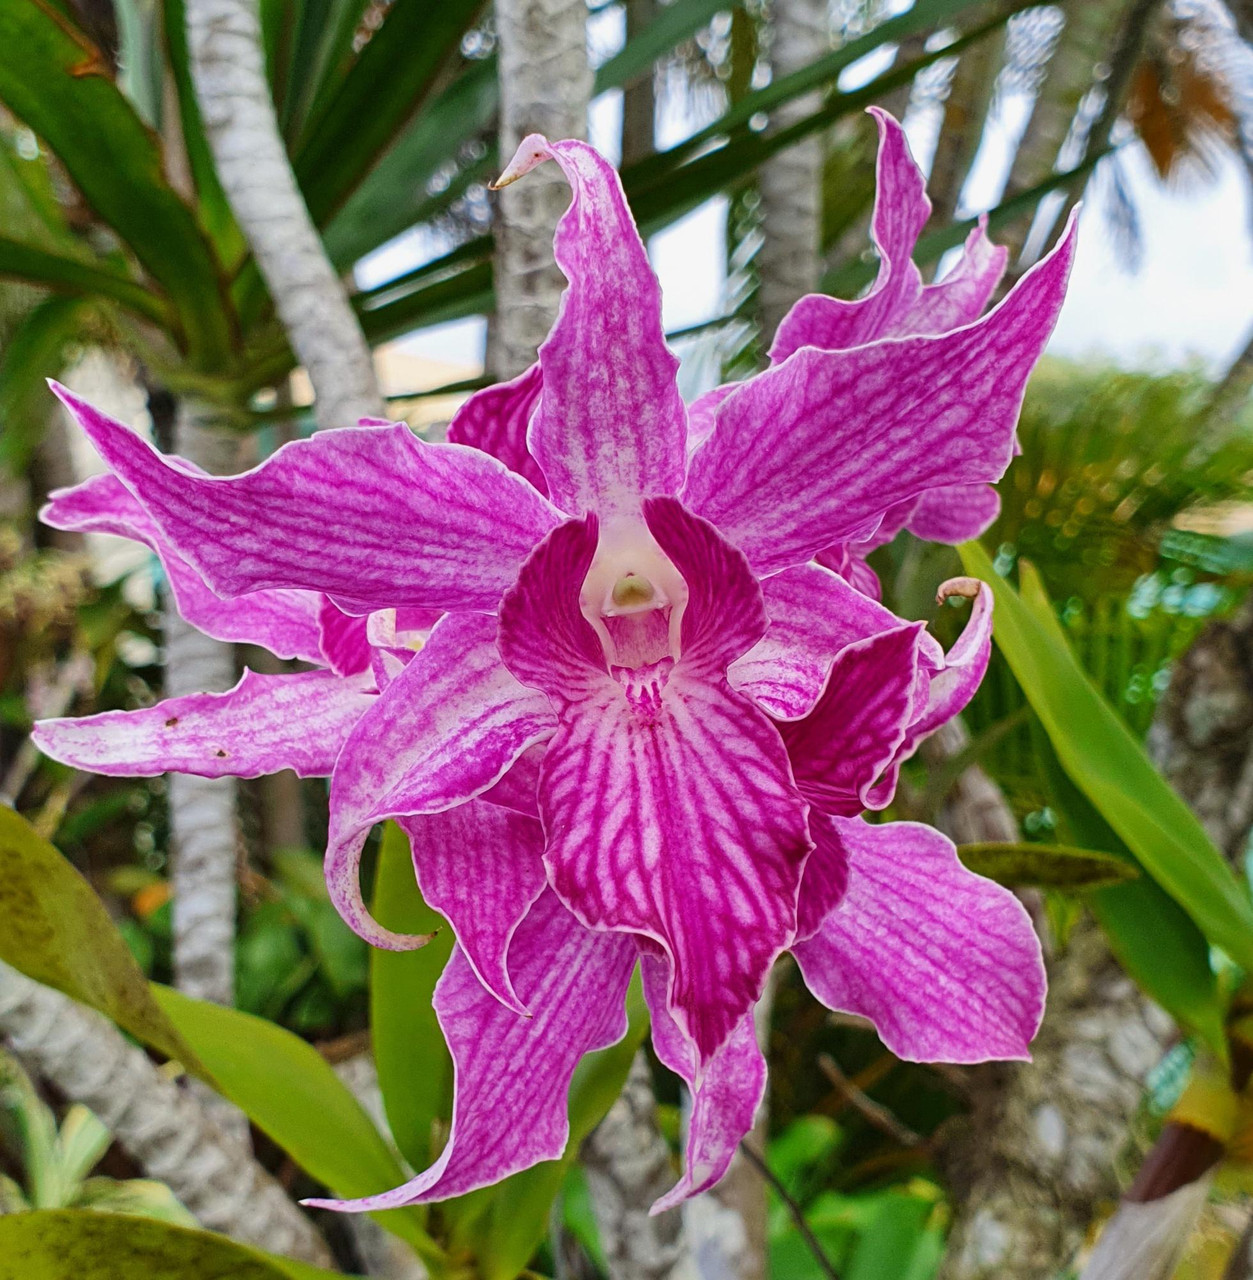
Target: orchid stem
column 798, row 1214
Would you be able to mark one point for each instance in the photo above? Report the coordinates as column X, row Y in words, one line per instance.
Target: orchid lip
column 631, row 578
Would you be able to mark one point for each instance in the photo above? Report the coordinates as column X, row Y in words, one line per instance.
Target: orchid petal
column 444, row 730
column 481, row 867
column 901, row 211
column 611, row 426
column 283, row 621
column 814, row 613
column 852, row 567
column 341, row 637
column 943, row 962
column 725, row 1094
column 961, row 296
column 266, row 723
column 958, row 680
column 433, row 525
column 855, row 731
column 496, row 420
column 702, row 413
column 666, row 796
column 513, row 1073
column 826, row 876
column 954, row 513
column 852, row 433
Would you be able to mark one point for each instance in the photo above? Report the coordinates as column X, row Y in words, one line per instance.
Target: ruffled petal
column 961, row 296
column 481, row 867
column 725, row 1093
column 372, row 516
column 445, row 729
column 901, row 211
column 826, row 876
column 858, row 725
column 943, row 962
column 283, row 621
column 958, row 678
column 496, row 420
column 665, row 795
column 814, row 613
column 513, row 1073
column 611, row 426
column 815, row 450
column 266, row 723
column 955, row 513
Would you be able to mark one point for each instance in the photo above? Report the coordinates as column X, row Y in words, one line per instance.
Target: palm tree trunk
column 163, row 1126
column 545, row 82
column 228, row 69
column 789, row 261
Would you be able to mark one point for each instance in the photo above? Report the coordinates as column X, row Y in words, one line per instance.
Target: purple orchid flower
column 648, row 722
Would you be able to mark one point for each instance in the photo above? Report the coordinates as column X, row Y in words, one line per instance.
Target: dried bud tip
column 967, row 588
column 532, row 150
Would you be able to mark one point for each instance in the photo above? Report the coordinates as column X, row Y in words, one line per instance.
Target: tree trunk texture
column 965, row 110
column 545, row 83
column 1086, row 39
column 627, row 1163
column 1039, row 1151
column 1042, row 1153
column 204, row 827
column 162, row 1125
column 789, row 261
column 203, row 824
column 228, row 69
column 1047, row 1143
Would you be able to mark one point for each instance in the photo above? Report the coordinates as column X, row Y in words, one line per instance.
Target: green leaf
column 392, row 77
column 516, row 1218
column 290, row 1091
column 1150, row 934
column 1046, row 866
column 392, row 196
column 33, row 265
column 54, row 929
column 660, row 193
column 672, row 25
column 80, row 1244
column 213, row 207
column 1109, row 766
column 37, row 349
column 892, row 1239
column 389, row 199
column 60, row 88
column 653, row 171
column 414, row 1065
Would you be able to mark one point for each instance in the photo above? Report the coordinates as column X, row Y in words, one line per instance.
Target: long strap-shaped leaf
column 56, row 81
column 1109, row 766
column 54, row 929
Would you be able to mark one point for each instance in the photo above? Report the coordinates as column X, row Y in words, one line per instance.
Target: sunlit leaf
column 89, row 1245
